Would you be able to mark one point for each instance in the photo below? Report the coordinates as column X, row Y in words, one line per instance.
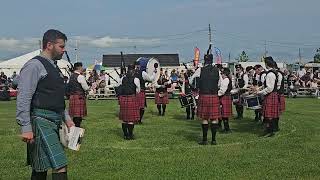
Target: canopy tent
column 15, row 64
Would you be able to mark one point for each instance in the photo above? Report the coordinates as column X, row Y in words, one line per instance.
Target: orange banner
column 196, row 56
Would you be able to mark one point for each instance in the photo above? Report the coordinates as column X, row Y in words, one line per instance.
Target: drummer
column 161, row 94
column 258, row 81
column 225, row 98
column 186, row 89
column 241, row 82
column 144, row 77
column 271, row 100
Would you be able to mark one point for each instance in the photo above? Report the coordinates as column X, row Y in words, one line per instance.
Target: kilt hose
column 282, row 102
column 77, row 105
column 141, row 98
column 161, row 100
column 271, row 106
column 46, row 152
column 226, row 106
column 129, row 109
column 208, row 107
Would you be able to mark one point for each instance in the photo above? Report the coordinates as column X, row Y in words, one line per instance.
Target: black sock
column 241, row 111
column 159, row 108
column 219, row 123
column 214, row 128
column 205, row 128
column 130, row 130
column 77, row 121
column 226, row 124
column 60, row 176
column 125, row 129
column 39, row 175
column 163, row 108
column 276, row 122
column 188, row 112
column 141, row 114
column 193, row 112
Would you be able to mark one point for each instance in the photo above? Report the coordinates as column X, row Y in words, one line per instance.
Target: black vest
column 229, row 87
column 281, row 90
column 161, row 81
column 275, row 89
column 74, row 87
column 260, row 79
column 142, row 81
column 128, row 87
column 209, row 78
column 240, row 81
column 50, row 90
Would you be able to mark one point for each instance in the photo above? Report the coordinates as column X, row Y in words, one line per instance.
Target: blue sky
column 167, row 26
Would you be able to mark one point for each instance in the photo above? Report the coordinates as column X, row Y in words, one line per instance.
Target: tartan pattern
column 282, row 102
column 208, row 107
column 271, row 106
column 158, row 100
column 226, row 106
column 46, row 152
column 129, row 109
column 141, row 98
column 77, row 106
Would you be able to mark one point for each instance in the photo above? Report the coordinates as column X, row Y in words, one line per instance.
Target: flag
column 218, row 55
column 196, row 58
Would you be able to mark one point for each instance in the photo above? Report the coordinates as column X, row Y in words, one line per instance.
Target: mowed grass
column 166, row 147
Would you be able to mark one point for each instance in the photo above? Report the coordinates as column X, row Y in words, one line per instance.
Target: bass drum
column 149, row 65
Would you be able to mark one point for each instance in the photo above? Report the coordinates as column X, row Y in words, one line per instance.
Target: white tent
column 15, row 64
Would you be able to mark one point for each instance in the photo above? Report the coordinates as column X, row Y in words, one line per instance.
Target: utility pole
column 300, row 58
column 76, row 49
column 229, row 57
column 265, row 48
column 40, row 45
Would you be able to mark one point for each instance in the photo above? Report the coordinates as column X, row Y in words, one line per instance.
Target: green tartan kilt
column 46, row 152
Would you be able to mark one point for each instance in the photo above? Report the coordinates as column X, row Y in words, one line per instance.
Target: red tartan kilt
column 77, row 106
column 129, row 109
column 161, row 100
column 208, row 107
column 271, row 106
column 282, row 103
column 226, row 106
column 141, row 98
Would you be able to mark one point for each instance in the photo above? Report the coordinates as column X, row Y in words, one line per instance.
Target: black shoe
column 213, row 142
column 203, row 143
column 131, row 138
column 125, row 137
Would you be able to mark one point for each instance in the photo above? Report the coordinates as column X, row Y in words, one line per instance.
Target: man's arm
column 82, row 80
column 30, row 75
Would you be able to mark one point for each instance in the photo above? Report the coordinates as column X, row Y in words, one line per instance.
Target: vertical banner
column 218, row 55
column 196, row 58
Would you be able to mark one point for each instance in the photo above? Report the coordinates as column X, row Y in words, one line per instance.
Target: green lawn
column 166, row 147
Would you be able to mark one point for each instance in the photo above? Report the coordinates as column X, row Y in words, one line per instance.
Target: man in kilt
column 41, row 109
column 129, row 107
column 241, row 82
column 161, row 94
column 187, row 89
column 208, row 109
column 270, row 110
column 77, row 88
column 225, row 98
column 282, row 100
column 258, row 83
column 144, row 77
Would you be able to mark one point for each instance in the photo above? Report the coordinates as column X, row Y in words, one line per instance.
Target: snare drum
column 253, row 101
column 235, row 95
column 187, row 100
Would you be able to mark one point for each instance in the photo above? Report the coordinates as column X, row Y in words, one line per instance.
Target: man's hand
column 69, row 123
column 27, row 137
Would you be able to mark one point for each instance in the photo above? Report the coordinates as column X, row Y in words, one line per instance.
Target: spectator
column 3, row 78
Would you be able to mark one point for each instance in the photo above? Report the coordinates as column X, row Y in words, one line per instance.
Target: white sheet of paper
column 74, row 135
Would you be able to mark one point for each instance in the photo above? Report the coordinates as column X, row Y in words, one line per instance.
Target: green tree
column 243, row 57
column 316, row 57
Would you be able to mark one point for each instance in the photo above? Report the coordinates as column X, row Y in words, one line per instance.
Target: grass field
column 166, row 147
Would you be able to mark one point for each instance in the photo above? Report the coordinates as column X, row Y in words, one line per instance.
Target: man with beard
column 41, row 109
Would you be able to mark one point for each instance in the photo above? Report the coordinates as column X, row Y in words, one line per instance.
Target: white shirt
column 246, row 80
column 263, row 76
column 270, row 81
column 146, row 76
column 136, row 82
column 82, row 80
column 224, row 86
